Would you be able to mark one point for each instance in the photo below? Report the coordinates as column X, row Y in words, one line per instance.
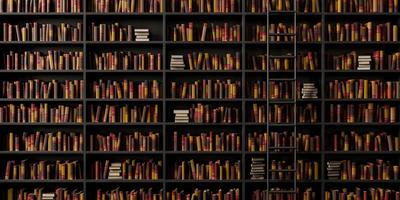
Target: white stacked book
column 333, row 169
column 257, row 168
column 115, row 171
column 364, row 62
column 142, row 35
column 177, row 62
column 308, row 91
column 181, row 116
column 48, row 196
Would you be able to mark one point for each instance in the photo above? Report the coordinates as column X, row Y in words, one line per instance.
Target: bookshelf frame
column 165, row 46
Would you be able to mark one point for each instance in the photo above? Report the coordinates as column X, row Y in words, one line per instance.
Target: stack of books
column 142, row 35
column 257, row 168
column 364, row 62
column 177, row 62
column 309, row 91
column 48, row 196
column 115, row 171
column 333, row 169
column 181, row 116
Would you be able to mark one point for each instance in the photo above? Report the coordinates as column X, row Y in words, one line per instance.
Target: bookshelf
column 290, row 48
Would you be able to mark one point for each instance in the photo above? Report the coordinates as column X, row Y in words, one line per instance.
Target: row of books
column 117, row 32
column 379, row 193
column 277, row 193
column 363, row 32
column 50, row 60
column 59, row 60
column 43, row 113
column 45, row 193
column 211, row 61
column 131, row 142
column 262, row 141
column 363, row 6
column 212, row 194
column 43, row 170
column 125, row 60
column 40, row 89
column 283, row 113
column 126, row 6
column 129, row 169
column 207, row 170
column 124, row 113
column 44, row 141
column 208, row 113
column 364, row 112
column 134, row 194
column 40, row 6
column 33, row 31
column 305, row 61
column 369, row 170
column 204, row 6
column 206, row 89
column 198, row 31
column 364, row 141
column 126, row 89
column 262, row 6
column 207, row 142
column 380, row 60
column 364, row 89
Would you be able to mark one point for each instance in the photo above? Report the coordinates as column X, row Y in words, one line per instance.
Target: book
column 177, row 62
column 277, row 113
column 142, row 35
column 281, row 32
column 206, row 141
column 110, row 113
column 37, row 60
column 42, row 170
column 204, row 6
column 307, row 170
column 307, row 32
column 126, row 89
column 257, row 168
column 207, row 170
column 41, row 113
column 271, row 62
column 280, row 90
column 206, row 89
column 126, row 6
column 281, row 170
column 34, row 31
column 215, row 32
column 181, row 116
column 44, row 141
column 131, row 169
column 196, row 193
column 256, row 89
column 125, row 60
column 136, row 141
column 40, row 89
column 308, row 91
column 37, row 6
column 307, row 61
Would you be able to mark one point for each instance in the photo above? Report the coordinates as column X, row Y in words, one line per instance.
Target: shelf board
column 203, row 14
column 124, row 153
column 125, row 71
column 38, row 14
column 43, row 181
column 122, row 181
column 203, row 71
column 41, row 152
column 41, row 43
column 203, row 100
column 202, row 124
column 362, row 71
column 202, row 43
column 42, row 100
column 123, row 42
column 124, row 100
column 44, row 71
column 204, row 152
column 126, row 14
column 122, row 124
column 39, row 124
